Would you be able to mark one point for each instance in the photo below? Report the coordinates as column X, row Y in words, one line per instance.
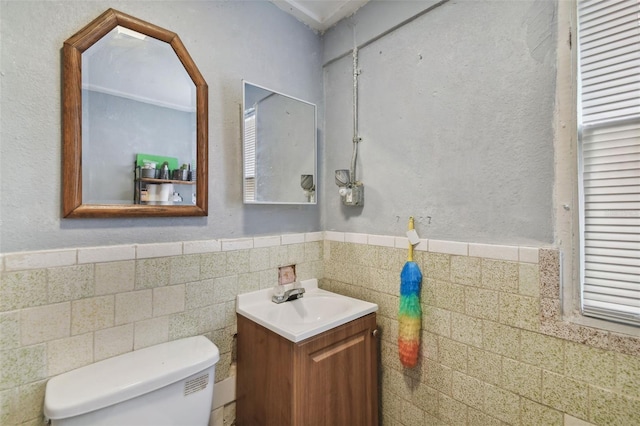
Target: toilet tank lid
column 127, row 376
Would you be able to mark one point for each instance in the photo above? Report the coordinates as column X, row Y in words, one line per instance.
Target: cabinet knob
column 375, row 333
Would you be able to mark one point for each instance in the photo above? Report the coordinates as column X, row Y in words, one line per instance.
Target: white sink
column 317, row 311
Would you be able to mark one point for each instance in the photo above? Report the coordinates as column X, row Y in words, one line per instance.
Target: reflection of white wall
column 146, row 70
column 284, row 149
column 116, row 130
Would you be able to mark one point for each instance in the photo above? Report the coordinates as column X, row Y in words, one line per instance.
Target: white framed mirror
column 279, row 147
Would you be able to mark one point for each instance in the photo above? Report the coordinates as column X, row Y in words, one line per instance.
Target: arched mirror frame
column 72, row 122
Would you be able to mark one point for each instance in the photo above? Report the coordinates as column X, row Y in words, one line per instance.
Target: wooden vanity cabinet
column 330, row 379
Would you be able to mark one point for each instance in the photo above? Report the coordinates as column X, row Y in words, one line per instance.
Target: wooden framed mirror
column 89, row 143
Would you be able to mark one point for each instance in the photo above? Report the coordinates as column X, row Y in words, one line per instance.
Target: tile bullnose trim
column 230, row 244
column 401, row 242
column 40, row 259
column 529, row 254
column 202, row 246
column 352, row 237
column 267, row 241
column 334, row 236
column 288, row 239
column 106, row 254
column 449, row 247
column 146, row 251
column 311, row 237
column 67, row 257
column 381, row 240
column 498, row 252
column 490, row 251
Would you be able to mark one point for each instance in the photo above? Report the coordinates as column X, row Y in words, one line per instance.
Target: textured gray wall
column 229, row 41
column 456, row 114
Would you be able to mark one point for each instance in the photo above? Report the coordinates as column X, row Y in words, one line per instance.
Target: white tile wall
column 168, row 300
column 311, row 237
column 334, row 236
column 106, row 254
column 381, row 240
column 271, row 241
column 528, row 254
column 150, row 332
column 423, row 245
column 498, row 252
column 292, row 239
column 113, row 341
column 119, row 298
column 133, row 306
column 44, row 323
column 401, row 242
column 145, row 251
column 114, row 277
column 237, row 244
column 69, row 353
column 57, row 258
column 92, row 314
column 449, row 247
column 42, row 259
column 206, row 246
column 350, row 237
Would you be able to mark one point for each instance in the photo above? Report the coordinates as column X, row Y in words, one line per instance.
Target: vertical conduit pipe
column 356, row 138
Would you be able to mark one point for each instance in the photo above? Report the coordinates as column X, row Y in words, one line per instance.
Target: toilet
column 167, row 384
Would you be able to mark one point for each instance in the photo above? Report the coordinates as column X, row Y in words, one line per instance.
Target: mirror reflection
column 137, row 98
column 279, row 148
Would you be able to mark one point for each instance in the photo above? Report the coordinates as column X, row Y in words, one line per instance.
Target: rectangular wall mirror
column 279, row 147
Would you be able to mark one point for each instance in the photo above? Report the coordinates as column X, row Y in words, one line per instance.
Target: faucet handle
column 278, row 290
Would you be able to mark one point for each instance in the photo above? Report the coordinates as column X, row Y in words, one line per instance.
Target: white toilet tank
column 166, row 384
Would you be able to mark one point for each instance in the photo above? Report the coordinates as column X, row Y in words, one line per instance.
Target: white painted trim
column 566, row 205
column 224, row 392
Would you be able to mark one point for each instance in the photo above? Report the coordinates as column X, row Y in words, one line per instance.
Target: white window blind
column 250, row 155
column 609, row 105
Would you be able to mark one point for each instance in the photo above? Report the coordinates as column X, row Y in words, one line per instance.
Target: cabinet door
column 264, row 381
column 337, row 382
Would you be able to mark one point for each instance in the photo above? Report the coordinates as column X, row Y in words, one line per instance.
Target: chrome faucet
column 292, row 294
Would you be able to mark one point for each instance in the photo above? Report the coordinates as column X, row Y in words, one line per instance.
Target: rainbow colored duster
column 409, row 314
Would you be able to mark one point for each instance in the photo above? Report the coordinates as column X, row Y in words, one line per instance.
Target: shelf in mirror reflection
column 160, row 181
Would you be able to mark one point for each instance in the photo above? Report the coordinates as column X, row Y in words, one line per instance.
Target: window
column 609, row 158
column 250, row 155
